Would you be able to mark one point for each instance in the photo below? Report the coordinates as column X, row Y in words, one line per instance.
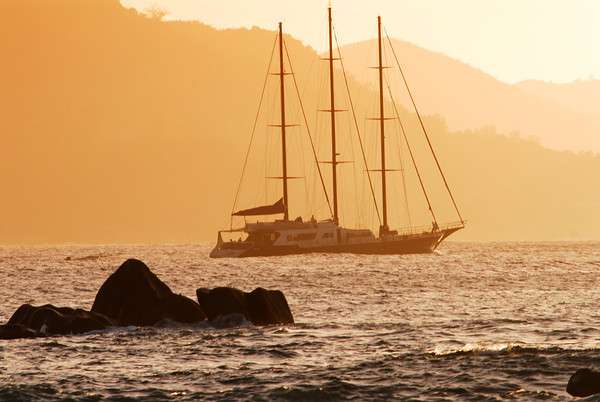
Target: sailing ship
column 287, row 236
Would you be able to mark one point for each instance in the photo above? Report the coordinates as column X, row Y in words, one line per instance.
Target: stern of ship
column 229, row 249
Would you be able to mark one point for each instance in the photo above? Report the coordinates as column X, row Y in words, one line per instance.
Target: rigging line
column 310, row 179
column 358, row 222
column 356, row 124
column 400, row 128
column 262, row 94
column 399, row 143
column 368, row 211
column 406, row 203
column 312, row 145
column 304, row 166
column 270, row 163
column 317, row 119
column 424, row 130
column 358, row 182
column 372, row 107
column 317, row 131
column 412, row 156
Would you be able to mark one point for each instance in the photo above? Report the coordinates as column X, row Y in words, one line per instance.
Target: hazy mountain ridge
column 121, row 128
column 581, row 95
column 468, row 98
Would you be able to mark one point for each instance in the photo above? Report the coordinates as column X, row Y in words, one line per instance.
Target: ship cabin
column 299, row 233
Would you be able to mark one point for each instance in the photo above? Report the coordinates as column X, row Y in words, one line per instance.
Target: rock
column 133, row 295
column 269, row 307
column 261, row 306
column 222, row 301
column 182, row 309
column 29, row 321
column 584, row 382
column 21, row 315
column 16, row 331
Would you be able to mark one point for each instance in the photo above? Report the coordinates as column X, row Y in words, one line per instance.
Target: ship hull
column 415, row 244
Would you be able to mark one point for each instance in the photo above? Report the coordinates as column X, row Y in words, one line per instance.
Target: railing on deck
column 415, row 230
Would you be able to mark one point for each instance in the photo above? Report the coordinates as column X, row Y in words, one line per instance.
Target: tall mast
column 384, row 227
column 332, row 110
column 284, row 176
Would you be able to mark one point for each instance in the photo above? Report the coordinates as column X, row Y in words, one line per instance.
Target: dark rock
column 222, row 301
column 86, row 321
column 133, row 295
column 584, row 382
column 268, row 307
column 182, row 309
column 29, row 321
column 21, row 315
column 261, row 306
column 16, row 331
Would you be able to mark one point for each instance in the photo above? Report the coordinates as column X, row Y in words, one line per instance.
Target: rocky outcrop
column 31, row 321
column 260, row 307
column 133, row 295
column 584, row 382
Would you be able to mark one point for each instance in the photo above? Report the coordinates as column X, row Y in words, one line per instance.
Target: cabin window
column 327, row 235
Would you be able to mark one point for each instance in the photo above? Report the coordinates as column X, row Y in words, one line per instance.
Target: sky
column 514, row 40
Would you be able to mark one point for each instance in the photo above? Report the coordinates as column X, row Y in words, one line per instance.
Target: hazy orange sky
column 514, row 40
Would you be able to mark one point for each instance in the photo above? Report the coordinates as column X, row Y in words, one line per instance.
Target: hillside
column 582, row 96
column 469, row 98
column 121, row 128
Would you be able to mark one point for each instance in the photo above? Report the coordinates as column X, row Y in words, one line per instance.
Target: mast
column 384, row 227
column 332, row 111
column 283, row 144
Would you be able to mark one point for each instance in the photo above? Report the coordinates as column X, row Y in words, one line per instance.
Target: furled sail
column 277, row 208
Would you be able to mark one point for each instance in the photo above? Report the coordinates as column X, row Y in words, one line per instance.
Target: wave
column 511, row 347
column 20, row 392
column 91, row 257
column 332, row 389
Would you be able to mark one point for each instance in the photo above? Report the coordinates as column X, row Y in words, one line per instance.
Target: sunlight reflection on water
column 472, row 321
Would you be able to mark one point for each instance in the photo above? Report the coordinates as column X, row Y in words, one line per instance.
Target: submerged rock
column 584, row 382
column 234, row 320
column 30, row 321
column 260, row 307
column 133, row 295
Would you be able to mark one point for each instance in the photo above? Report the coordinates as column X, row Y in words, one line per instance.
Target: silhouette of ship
column 296, row 236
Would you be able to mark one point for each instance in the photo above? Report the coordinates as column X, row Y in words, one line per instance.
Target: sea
column 471, row 322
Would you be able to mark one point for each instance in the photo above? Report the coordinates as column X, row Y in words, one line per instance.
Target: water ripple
column 474, row 322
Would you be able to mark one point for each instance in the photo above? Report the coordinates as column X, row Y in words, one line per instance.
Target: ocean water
column 470, row 322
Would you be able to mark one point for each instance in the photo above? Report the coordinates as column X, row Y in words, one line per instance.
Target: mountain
column 582, row 96
column 116, row 127
column 467, row 98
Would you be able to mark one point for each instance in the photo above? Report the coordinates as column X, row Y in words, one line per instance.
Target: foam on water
column 472, row 322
